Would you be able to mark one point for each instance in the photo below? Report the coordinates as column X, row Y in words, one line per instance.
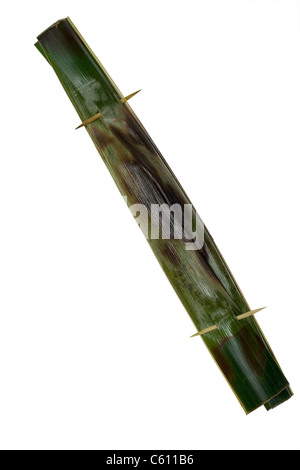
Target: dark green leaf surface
column 200, row 278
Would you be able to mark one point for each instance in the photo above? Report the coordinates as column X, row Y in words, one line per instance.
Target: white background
column 94, row 344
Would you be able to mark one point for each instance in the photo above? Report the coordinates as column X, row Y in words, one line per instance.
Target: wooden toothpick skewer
column 123, row 100
column 99, row 115
column 90, row 120
column 239, row 317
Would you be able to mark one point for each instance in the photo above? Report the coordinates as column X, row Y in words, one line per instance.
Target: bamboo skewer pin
column 90, row 120
column 99, row 115
column 123, row 100
column 239, row 317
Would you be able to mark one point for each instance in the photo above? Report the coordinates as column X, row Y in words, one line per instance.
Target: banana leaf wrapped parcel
column 196, row 269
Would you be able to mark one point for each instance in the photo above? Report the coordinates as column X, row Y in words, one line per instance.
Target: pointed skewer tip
column 126, row 98
column 89, row 121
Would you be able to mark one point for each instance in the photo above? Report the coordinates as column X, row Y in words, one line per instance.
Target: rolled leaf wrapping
column 198, row 274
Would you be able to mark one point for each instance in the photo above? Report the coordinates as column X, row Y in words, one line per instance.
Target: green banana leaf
column 200, row 277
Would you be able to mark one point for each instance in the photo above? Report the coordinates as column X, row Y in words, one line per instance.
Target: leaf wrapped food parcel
column 181, row 243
